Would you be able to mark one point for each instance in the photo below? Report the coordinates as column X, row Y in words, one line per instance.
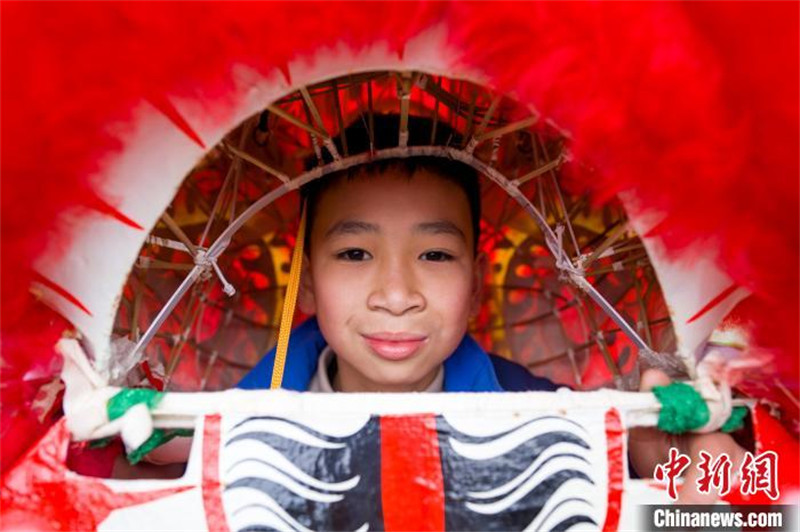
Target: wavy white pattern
column 557, row 489
column 286, row 430
column 506, row 502
column 265, row 471
column 515, row 438
column 335, row 426
column 556, row 511
column 251, row 448
column 266, row 513
column 559, row 451
column 264, row 487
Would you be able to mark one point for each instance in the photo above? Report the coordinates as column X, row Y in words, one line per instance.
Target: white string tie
column 202, row 259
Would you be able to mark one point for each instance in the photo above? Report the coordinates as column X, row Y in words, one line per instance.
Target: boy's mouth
column 394, row 346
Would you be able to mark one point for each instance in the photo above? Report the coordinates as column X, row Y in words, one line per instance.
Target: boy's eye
column 436, row 256
column 353, row 255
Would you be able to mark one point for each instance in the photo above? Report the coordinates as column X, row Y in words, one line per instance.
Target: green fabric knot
column 158, row 437
column 736, row 421
column 682, row 408
column 127, row 398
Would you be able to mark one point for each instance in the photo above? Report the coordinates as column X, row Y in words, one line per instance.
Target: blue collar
column 468, row 369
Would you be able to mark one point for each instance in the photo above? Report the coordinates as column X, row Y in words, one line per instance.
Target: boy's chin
column 401, row 384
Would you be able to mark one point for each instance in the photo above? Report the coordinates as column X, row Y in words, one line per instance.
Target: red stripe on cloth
column 212, row 494
column 614, row 450
column 714, row 302
column 412, row 487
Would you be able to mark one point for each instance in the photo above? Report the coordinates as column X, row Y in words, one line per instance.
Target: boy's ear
column 305, row 296
column 480, row 270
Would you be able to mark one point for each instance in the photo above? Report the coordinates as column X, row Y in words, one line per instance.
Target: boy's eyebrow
column 351, row 227
column 440, row 227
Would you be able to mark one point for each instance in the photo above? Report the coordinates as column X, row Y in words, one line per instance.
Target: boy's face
column 392, row 278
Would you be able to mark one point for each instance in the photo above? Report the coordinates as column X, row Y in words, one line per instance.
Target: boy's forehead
column 423, row 197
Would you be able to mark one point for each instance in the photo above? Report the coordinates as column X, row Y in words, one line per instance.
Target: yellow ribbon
column 289, row 304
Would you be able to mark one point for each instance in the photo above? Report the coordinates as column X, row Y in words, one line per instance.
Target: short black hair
column 386, row 135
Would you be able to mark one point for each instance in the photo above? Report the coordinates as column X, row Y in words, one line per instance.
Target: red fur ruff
column 693, row 106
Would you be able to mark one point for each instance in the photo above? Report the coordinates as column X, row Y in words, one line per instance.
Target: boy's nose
column 396, row 291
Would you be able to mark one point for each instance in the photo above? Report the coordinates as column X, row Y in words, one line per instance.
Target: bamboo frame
column 481, row 125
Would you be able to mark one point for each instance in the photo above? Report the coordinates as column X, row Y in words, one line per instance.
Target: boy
column 392, row 273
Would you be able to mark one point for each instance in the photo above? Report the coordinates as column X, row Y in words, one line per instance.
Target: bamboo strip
column 337, row 106
column 186, row 328
column 509, row 128
column 313, row 108
column 167, row 243
column 435, row 112
column 327, row 141
column 256, row 162
column 361, row 112
column 146, row 263
column 371, row 118
column 618, row 265
column 599, row 338
column 297, row 122
column 404, row 93
column 470, row 116
column 637, row 287
column 488, row 116
column 178, row 232
column 233, row 169
column 565, row 218
column 537, row 172
column 138, row 294
column 599, row 250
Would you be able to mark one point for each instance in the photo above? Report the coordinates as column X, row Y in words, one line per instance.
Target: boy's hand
column 648, row 447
